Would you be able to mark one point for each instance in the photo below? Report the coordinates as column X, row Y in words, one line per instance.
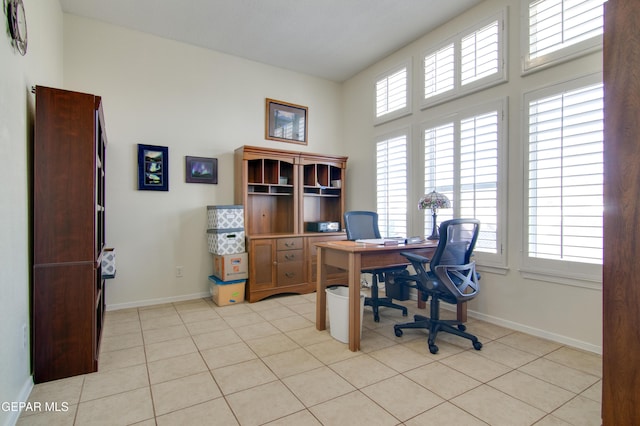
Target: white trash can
column 338, row 303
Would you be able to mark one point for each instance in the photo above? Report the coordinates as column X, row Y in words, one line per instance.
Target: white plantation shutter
column 565, row 180
column 472, row 60
column 439, row 71
column 462, row 161
column 391, row 185
column 480, row 54
column 439, row 169
column 479, row 176
column 392, row 92
column 561, row 29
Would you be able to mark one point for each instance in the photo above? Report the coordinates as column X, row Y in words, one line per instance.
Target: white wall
column 199, row 103
column 41, row 65
column 572, row 315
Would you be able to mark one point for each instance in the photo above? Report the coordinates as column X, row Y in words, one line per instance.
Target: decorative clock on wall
column 17, row 25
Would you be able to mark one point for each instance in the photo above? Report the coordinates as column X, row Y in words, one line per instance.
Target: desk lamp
column 434, row 201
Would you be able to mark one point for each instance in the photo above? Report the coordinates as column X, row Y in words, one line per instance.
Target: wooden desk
column 353, row 257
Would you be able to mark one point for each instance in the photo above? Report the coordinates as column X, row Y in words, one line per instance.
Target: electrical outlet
column 25, row 336
column 179, row 271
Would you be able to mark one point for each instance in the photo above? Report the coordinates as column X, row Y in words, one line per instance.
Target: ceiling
column 331, row 39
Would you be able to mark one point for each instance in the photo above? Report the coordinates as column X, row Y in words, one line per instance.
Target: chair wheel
column 433, row 349
column 405, row 313
column 397, row 331
column 477, row 346
column 462, row 327
column 376, row 318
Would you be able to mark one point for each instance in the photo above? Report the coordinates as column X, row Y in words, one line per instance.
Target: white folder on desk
column 378, row 241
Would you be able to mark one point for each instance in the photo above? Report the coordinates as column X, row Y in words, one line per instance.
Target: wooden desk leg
column 421, row 303
column 354, row 301
column 461, row 310
column 321, row 296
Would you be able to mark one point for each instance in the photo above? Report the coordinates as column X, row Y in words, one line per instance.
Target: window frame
column 401, row 112
column 494, row 262
column 458, row 91
column 557, row 57
column 578, row 274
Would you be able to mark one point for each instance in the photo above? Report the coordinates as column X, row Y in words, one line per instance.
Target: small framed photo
column 153, row 168
column 286, row 122
column 201, row 170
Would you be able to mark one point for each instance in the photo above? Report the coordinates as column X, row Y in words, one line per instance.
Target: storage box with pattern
column 225, row 217
column 225, row 241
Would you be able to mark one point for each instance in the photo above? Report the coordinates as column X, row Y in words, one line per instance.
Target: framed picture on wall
column 201, row 170
column 153, row 168
column 286, row 122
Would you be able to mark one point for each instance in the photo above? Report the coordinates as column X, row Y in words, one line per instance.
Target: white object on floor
column 338, row 304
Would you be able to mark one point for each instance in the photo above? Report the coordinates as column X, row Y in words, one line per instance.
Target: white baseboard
column 558, row 338
column 159, row 301
column 579, row 344
column 23, row 396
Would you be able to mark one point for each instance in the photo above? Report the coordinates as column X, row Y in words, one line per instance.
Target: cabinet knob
column 290, row 274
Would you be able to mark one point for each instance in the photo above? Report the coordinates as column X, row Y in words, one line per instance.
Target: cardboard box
column 228, row 267
column 225, row 241
column 226, row 293
column 225, row 217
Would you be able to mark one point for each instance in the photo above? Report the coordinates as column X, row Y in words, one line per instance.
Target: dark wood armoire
column 68, row 233
column 621, row 267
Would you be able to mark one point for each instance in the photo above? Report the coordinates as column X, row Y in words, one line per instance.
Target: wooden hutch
column 282, row 192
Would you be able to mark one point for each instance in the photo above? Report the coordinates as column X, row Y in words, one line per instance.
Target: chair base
column 385, row 302
column 374, row 301
column 436, row 325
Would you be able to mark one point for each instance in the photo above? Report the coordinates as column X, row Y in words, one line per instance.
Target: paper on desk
column 378, row 241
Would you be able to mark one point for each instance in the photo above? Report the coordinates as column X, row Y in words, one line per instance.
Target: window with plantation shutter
column 392, row 93
column 439, row 71
column 440, row 167
column 391, row 184
column 470, row 61
column 462, row 161
column 565, row 178
column 558, row 30
column 479, row 176
column 480, row 54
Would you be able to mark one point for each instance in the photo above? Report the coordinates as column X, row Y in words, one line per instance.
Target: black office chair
column 364, row 225
column 451, row 277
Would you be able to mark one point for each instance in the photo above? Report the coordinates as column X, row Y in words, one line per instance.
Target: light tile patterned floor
column 193, row 363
